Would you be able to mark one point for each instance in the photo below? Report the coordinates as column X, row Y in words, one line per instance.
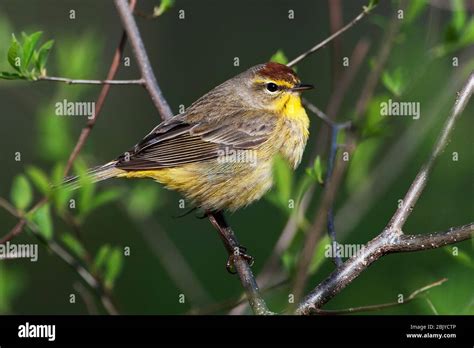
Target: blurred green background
column 170, row 256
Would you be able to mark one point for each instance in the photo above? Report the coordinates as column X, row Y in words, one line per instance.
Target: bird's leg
column 230, row 241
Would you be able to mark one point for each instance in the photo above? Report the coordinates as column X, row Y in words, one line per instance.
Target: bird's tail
column 95, row 174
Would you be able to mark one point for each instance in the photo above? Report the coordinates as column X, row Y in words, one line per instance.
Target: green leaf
column 15, row 52
column 319, row 255
column 39, row 179
column 11, row 284
column 467, row 37
column 279, row 57
column 361, row 161
column 143, row 200
column 460, row 256
column 394, row 81
column 165, row 5
column 10, row 76
column 55, row 142
column 288, row 259
column 86, row 190
column 29, row 44
column 114, row 266
column 375, row 123
column 101, row 257
column 283, row 179
column 316, row 172
column 459, row 15
column 415, row 8
column 42, row 218
column 371, row 5
column 21, row 193
column 105, row 197
column 43, row 54
column 75, row 245
column 60, row 194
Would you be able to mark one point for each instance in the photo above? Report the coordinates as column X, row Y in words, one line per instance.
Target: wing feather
column 178, row 141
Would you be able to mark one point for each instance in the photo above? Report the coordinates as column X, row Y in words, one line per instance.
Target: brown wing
column 176, row 141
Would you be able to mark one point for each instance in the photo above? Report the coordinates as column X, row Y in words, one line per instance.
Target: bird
column 219, row 152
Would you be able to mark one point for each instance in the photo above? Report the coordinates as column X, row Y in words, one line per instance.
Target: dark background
column 190, row 57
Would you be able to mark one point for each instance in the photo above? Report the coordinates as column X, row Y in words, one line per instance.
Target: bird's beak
column 301, row 87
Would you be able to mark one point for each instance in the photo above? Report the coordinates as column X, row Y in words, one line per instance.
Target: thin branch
column 323, row 43
column 381, row 245
column 86, row 297
column 241, row 265
column 414, row 295
column 91, row 82
column 94, row 282
column 151, row 85
column 392, row 239
column 418, row 185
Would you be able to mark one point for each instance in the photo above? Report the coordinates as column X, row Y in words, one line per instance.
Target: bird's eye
column 272, row 87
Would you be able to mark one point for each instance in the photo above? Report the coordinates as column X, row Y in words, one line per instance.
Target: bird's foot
column 239, row 251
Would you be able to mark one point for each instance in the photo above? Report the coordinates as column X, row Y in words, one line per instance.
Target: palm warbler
column 219, row 152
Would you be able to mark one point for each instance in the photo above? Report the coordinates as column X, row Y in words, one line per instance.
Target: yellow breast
column 294, row 128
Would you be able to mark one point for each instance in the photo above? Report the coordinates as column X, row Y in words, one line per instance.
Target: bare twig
column 94, row 282
column 323, row 43
column 144, row 65
column 240, row 263
column 90, row 82
column 414, row 295
column 86, row 297
column 392, row 239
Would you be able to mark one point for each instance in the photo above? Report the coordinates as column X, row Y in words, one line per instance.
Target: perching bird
column 219, row 152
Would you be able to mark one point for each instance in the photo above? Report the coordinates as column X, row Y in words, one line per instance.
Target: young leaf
column 415, row 8
column 21, row 193
column 319, row 255
column 143, row 200
column 114, row 266
column 101, row 257
column 279, row 57
column 42, row 218
column 10, row 76
column 316, row 172
column 43, row 54
column 39, row 179
column 394, row 81
column 165, row 5
column 283, row 180
column 29, row 45
column 60, row 193
column 72, row 243
column 15, row 54
column 87, row 189
column 105, row 197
